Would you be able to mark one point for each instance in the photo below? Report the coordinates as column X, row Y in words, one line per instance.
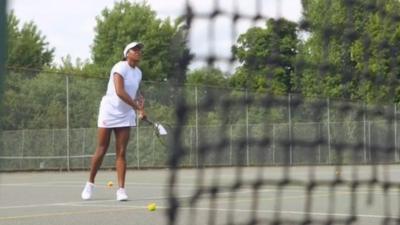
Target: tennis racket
column 160, row 130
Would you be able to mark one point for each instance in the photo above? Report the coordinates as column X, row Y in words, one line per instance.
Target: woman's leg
column 103, row 141
column 121, row 139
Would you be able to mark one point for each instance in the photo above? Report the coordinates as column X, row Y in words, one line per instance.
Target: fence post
column 83, row 146
column 273, row 144
column 230, row 144
column 67, row 121
column 329, row 132
column 191, row 147
column 365, row 133
column 247, row 130
column 137, row 144
column 53, row 144
column 369, row 142
column 319, row 144
column 153, row 144
column 396, row 153
column 290, row 128
column 22, row 149
column 197, row 127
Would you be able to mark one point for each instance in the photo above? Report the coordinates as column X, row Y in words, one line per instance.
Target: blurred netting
column 286, row 139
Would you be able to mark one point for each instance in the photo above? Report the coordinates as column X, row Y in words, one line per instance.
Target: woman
column 117, row 113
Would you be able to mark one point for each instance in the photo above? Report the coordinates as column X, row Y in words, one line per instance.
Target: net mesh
column 260, row 162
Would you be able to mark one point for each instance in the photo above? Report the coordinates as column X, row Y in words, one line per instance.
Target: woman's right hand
column 140, row 102
column 141, row 114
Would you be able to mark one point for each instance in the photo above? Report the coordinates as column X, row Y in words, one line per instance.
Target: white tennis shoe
column 121, row 195
column 87, row 191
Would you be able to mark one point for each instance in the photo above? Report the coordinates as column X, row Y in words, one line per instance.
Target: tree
column 267, row 56
column 27, row 47
column 79, row 67
column 207, row 77
column 38, row 102
column 166, row 55
column 352, row 50
column 41, row 102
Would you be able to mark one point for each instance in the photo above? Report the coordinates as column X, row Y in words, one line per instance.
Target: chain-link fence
column 50, row 123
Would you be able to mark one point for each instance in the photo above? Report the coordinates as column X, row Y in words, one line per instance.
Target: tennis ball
column 109, row 184
column 152, row 207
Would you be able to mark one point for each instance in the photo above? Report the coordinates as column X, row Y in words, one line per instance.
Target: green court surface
column 54, row 197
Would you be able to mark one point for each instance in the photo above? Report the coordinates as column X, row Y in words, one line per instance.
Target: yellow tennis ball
column 152, row 207
column 109, row 184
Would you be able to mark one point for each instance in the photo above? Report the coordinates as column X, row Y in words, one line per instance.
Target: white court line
column 90, row 203
column 96, row 204
column 85, row 213
column 94, row 201
column 51, row 157
column 362, row 190
column 292, row 212
column 82, row 183
column 324, row 214
column 222, row 194
column 51, row 204
column 104, row 186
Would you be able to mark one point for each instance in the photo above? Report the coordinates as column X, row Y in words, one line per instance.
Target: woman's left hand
column 140, row 102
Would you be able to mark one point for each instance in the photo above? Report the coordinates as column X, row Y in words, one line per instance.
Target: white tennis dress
column 114, row 112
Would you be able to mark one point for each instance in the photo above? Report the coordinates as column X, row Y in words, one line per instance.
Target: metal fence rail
column 47, row 148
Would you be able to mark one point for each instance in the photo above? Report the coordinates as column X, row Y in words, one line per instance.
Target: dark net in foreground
column 268, row 159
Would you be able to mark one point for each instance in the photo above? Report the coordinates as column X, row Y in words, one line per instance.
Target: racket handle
column 148, row 121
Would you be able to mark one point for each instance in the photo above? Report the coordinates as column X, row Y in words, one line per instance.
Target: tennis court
column 301, row 129
column 54, row 197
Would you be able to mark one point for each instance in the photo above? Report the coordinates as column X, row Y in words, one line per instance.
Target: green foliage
column 353, row 50
column 41, row 102
column 84, row 100
column 78, row 68
column 267, row 57
column 165, row 55
column 27, row 48
column 34, row 103
column 207, row 76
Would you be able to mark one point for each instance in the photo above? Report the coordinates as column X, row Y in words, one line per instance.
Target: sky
column 69, row 24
